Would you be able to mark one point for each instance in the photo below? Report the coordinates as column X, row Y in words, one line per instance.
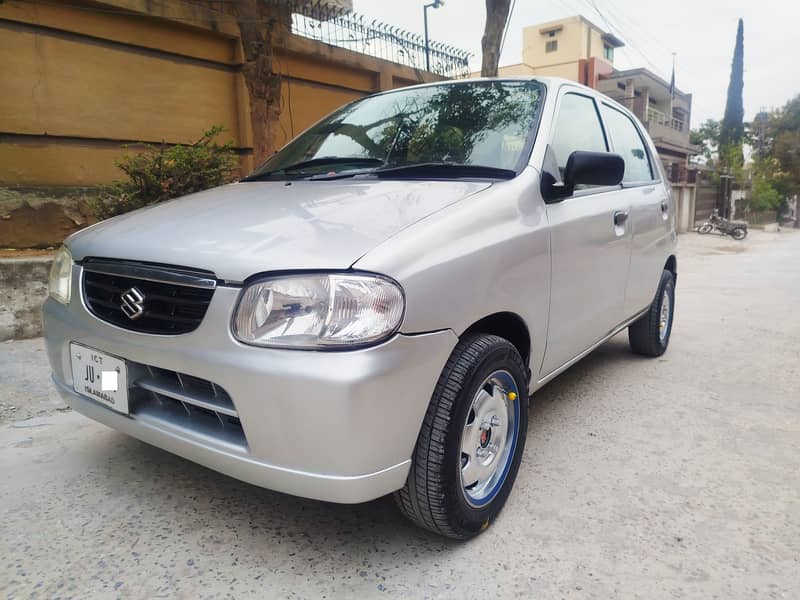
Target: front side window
column 488, row 123
column 577, row 128
column 629, row 144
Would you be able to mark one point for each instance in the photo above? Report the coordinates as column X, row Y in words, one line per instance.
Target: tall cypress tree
column 732, row 129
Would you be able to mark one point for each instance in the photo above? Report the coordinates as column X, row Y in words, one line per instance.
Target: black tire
column 739, row 233
column 433, row 496
column 644, row 334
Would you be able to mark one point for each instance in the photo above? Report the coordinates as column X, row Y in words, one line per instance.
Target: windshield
column 480, row 123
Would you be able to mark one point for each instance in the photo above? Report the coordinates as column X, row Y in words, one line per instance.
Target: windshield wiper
column 315, row 162
column 438, row 170
column 443, row 169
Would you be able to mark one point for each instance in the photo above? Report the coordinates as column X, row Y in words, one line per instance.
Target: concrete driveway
column 670, row 478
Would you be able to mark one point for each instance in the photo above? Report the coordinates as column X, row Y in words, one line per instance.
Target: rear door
column 589, row 251
column 648, row 199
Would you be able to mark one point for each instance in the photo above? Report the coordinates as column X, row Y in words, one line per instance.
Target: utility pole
column 434, row 4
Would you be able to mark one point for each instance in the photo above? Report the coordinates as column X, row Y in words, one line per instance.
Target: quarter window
column 577, row 128
column 628, row 143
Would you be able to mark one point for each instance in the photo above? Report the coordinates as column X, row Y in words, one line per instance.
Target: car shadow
column 602, row 362
column 266, row 522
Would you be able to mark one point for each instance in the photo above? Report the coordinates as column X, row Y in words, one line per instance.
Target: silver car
column 370, row 310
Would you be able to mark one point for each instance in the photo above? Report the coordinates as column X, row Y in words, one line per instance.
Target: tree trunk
column 496, row 17
column 261, row 27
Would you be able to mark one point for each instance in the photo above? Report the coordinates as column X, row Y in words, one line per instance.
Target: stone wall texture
column 23, row 289
column 43, row 217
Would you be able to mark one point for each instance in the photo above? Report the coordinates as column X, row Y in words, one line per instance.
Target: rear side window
column 577, row 128
column 628, row 143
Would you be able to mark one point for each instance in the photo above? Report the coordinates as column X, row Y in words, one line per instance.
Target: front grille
column 166, row 300
column 184, row 402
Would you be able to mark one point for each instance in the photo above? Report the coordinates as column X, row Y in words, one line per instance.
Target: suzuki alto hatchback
column 370, row 310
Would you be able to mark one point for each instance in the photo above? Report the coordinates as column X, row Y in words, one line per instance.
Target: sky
column 702, row 33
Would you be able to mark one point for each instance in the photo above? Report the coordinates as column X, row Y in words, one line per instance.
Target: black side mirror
column 583, row 168
column 593, row 168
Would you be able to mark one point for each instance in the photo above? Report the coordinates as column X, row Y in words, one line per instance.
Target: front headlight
column 318, row 310
column 60, row 282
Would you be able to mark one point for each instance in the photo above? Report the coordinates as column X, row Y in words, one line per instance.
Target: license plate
column 99, row 376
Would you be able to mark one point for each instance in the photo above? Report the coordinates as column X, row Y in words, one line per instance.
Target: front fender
column 486, row 254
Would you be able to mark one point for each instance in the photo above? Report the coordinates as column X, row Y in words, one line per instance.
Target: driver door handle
column 620, row 217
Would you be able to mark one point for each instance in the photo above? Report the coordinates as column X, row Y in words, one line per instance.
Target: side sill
column 589, row 350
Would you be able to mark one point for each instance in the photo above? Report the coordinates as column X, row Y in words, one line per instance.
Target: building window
column 608, row 53
column 551, row 46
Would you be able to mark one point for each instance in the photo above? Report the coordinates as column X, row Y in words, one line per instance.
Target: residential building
column 665, row 113
column 572, row 48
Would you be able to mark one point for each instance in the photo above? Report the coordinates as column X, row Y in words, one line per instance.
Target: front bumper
column 335, row 426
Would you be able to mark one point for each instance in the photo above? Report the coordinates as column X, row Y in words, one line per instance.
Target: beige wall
column 78, row 86
column 566, row 70
column 518, row 70
column 570, row 38
column 596, row 44
column 577, row 39
column 65, row 87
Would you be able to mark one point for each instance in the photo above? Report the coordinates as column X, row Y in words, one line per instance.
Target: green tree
column 763, row 195
column 707, row 137
column 784, row 139
column 783, row 131
column 732, row 128
column 731, row 132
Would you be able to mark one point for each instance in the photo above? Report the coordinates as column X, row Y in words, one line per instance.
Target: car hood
column 241, row 229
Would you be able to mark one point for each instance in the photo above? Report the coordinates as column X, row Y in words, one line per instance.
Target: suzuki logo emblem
column 133, row 303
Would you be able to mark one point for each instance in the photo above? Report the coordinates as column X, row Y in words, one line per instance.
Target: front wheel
column 705, row 228
column 739, row 233
column 471, row 441
column 649, row 335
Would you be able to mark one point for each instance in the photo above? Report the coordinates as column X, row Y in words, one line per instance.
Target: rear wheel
column 649, row 335
column 471, row 442
column 739, row 233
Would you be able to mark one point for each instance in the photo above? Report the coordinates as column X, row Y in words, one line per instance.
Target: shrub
column 164, row 172
column 764, row 196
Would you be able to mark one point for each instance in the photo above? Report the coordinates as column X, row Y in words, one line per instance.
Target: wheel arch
column 508, row 325
column 672, row 266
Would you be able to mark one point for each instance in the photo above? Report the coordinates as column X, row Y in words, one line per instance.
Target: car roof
column 549, row 82
column 546, row 80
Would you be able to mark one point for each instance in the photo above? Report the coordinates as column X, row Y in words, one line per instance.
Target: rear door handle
column 620, row 217
column 664, row 206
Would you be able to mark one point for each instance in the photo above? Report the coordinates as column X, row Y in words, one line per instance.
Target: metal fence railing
column 377, row 39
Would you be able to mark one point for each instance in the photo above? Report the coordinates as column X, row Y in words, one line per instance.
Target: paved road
column 669, row 478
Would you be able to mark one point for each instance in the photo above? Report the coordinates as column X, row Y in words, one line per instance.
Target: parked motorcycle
column 716, row 224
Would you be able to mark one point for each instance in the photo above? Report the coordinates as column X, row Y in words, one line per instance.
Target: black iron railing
column 371, row 37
